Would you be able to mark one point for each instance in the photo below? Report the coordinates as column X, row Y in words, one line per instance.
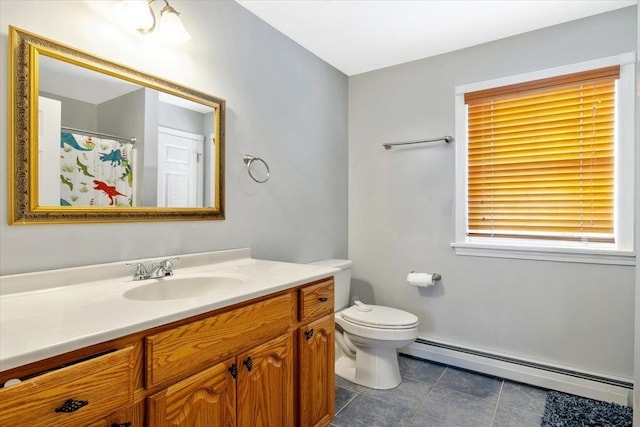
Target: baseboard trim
column 590, row 385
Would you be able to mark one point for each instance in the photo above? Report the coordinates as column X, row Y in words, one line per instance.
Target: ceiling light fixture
column 167, row 29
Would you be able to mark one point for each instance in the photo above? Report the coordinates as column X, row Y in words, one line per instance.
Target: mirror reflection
column 104, row 141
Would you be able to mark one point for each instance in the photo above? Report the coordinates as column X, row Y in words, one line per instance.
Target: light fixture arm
column 168, row 23
column 166, row 8
column 153, row 15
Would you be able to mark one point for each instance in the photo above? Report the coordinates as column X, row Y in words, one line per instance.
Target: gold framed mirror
column 95, row 141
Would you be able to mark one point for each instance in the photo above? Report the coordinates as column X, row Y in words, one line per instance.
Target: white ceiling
column 357, row 36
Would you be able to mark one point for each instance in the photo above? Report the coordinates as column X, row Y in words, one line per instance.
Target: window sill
column 579, row 255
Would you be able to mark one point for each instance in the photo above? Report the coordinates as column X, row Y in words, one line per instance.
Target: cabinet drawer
column 316, row 300
column 194, row 346
column 105, row 382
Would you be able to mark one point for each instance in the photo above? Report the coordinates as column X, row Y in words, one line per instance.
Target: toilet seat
column 380, row 323
column 379, row 317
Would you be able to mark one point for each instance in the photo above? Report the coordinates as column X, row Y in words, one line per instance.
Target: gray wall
column 180, row 118
column 283, row 104
column 76, row 114
column 125, row 116
column 401, row 213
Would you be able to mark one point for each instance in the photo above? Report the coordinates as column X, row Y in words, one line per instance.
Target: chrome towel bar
column 446, row 138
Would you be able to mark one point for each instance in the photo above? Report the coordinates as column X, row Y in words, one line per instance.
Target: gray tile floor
column 433, row 395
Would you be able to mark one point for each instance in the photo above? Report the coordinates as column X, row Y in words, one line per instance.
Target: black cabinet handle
column 234, row 370
column 72, row 405
column 127, row 424
column 323, row 299
column 309, row 334
column 248, row 363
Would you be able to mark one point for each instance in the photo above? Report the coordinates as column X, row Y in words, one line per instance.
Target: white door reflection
column 180, row 168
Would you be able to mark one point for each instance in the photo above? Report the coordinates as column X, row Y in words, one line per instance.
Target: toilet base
column 373, row 367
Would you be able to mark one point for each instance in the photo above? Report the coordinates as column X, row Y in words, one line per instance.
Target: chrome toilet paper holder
column 434, row 276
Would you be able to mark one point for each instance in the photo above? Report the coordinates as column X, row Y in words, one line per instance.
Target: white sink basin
column 177, row 287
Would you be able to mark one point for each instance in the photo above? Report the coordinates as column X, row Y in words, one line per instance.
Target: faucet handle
column 141, row 271
column 167, row 264
column 164, row 268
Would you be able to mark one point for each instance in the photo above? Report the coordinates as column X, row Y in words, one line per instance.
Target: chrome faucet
column 163, row 269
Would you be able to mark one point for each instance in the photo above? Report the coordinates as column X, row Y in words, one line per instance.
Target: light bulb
column 171, row 30
column 135, row 14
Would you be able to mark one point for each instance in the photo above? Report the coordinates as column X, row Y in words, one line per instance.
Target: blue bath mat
column 565, row 410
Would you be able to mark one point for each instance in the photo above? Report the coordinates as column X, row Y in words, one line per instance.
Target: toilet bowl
column 368, row 336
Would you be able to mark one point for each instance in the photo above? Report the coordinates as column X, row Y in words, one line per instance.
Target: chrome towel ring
column 248, row 160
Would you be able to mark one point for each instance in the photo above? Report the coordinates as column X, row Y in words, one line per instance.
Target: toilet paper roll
column 421, row 280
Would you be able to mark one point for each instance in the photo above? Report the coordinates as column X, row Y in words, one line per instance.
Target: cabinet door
column 317, row 381
column 207, row 399
column 265, row 384
column 129, row 417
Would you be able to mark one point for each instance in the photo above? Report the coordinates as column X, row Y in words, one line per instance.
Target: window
column 545, row 165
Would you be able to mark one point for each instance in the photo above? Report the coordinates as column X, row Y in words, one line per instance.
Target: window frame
column 622, row 251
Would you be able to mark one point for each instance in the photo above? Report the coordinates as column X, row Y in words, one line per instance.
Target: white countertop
column 50, row 317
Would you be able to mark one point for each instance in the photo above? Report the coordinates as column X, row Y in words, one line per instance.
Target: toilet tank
column 342, row 280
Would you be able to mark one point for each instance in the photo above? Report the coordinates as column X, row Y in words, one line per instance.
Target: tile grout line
column 422, row 403
column 415, row 414
column 440, row 377
column 495, row 411
column 526, row 411
column 427, row 396
column 356, row 394
column 465, row 393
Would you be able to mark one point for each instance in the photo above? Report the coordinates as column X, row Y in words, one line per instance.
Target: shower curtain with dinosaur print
column 96, row 172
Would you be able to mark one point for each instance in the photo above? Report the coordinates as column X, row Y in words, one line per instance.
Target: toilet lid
column 380, row 317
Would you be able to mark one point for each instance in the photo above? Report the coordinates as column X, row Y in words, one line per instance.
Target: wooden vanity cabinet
column 266, row 362
column 256, row 387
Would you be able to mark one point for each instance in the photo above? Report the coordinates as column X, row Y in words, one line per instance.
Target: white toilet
column 367, row 336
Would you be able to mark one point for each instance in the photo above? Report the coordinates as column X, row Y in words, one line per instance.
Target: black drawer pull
column 323, row 299
column 309, row 334
column 127, row 424
column 72, row 405
column 248, row 363
column 233, row 370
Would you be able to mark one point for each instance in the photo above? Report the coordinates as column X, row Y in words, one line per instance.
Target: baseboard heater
column 542, row 375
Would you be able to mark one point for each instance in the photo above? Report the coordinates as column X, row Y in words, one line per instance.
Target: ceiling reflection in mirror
column 105, row 142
